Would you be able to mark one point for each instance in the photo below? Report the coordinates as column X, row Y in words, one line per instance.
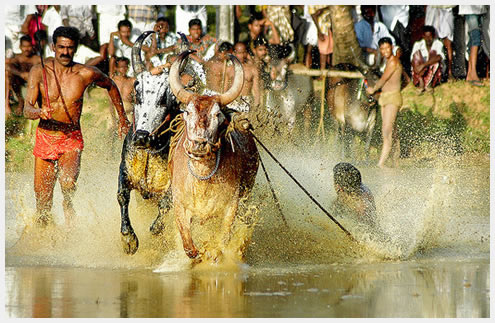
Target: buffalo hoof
column 192, row 253
column 157, row 227
column 130, row 242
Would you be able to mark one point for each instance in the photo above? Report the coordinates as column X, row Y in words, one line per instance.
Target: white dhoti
column 442, row 19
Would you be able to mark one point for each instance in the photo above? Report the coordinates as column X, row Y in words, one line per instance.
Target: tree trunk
column 225, row 23
column 345, row 45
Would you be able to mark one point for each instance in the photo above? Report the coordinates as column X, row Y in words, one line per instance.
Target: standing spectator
column 441, row 17
column 474, row 18
column 162, row 42
column 81, row 17
column 142, row 18
column 427, row 60
column 17, row 72
column 310, row 38
column 15, row 15
column 322, row 20
column 108, row 17
column 52, row 20
column 390, row 101
column 184, row 14
column 396, row 18
column 280, row 16
column 120, row 44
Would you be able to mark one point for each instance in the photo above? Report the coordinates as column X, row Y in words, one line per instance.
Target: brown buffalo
column 212, row 167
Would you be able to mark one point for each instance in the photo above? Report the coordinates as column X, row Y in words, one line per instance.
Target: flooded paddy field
column 430, row 259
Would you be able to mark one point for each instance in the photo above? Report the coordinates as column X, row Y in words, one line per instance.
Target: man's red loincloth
column 50, row 146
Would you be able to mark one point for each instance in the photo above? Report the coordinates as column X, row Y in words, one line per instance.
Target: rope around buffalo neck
column 204, row 178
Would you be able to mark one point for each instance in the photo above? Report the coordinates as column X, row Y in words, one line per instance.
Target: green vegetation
column 455, row 119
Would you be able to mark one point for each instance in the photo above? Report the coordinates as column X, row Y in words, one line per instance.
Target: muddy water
column 429, row 258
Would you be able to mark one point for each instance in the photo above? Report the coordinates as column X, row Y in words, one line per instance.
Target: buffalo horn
column 137, row 63
column 176, row 86
column 236, row 87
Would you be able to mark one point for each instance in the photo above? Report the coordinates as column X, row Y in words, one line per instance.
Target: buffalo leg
column 369, row 132
column 129, row 239
column 183, row 219
column 163, row 208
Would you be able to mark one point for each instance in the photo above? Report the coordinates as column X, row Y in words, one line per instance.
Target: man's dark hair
column 163, row 19
column 347, row 177
column 124, row 23
column 260, row 41
column 119, row 59
column 430, row 29
column 384, row 40
column 225, row 47
column 25, row 38
column 68, row 32
column 255, row 16
column 194, row 22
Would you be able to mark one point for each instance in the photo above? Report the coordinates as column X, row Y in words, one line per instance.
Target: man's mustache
column 64, row 56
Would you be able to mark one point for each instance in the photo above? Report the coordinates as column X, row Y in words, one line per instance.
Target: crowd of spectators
column 428, row 40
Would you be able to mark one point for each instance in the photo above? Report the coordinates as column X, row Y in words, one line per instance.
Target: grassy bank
column 455, row 118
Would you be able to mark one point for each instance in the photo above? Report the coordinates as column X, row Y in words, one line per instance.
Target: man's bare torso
column 65, row 90
column 394, row 82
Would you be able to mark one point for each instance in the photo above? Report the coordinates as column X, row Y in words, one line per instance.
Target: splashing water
column 419, row 209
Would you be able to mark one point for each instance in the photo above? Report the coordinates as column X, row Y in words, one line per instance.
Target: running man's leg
column 45, row 175
column 69, row 167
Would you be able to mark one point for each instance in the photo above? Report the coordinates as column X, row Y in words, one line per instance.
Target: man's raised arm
column 107, row 83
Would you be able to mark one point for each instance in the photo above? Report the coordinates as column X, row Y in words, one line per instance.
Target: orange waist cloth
column 49, row 146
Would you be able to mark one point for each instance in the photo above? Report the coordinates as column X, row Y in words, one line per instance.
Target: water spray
column 302, row 188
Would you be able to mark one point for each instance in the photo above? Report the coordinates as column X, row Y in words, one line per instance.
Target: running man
column 59, row 141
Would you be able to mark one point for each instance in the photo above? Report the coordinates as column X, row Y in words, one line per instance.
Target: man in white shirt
column 427, row 60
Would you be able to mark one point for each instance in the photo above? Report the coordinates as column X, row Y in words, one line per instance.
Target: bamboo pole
column 321, row 125
column 328, row 73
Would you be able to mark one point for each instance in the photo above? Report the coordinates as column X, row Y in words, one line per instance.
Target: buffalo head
column 154, row 99
column 203, row 114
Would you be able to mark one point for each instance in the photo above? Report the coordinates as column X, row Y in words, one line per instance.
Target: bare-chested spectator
column 17, row 72
column 251, row 87
column 427, row 60
column 259, row 27
column 390, row 101
column 260, row 60
column 125, row 84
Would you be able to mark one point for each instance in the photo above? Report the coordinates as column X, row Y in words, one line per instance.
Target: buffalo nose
column 141, row 138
